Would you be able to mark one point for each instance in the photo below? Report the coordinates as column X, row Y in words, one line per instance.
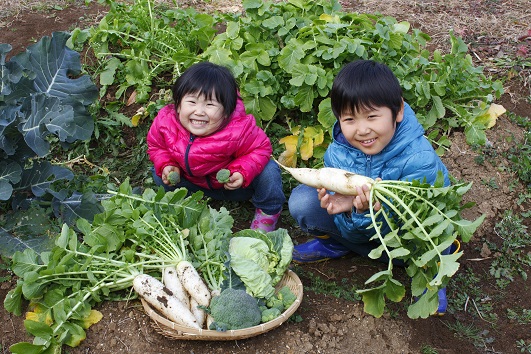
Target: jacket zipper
column 368, row 168
column 190, row 141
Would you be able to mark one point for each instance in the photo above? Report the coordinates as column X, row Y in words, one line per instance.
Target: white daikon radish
column 172, row 282
column 193, row 283
column 331, row 179
column 162, row 299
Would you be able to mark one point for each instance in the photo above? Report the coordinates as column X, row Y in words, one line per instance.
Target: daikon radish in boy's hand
column 331, row 179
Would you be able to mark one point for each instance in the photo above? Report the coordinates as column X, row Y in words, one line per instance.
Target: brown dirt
column 329, row 324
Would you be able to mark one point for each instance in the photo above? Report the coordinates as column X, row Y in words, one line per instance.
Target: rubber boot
column 443, row 300
column 319, row 249
column 264, row 222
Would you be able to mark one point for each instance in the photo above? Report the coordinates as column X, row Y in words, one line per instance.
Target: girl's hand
column 235, row 181
column 166, row 171
column 335, row 203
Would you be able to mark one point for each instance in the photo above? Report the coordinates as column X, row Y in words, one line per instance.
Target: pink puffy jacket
column 241, row 146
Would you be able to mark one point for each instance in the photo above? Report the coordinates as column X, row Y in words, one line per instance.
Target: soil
column 330, row 324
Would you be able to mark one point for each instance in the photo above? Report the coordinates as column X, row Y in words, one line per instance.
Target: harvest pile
column 164, row 245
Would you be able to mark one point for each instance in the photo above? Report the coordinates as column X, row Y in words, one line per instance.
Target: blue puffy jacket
column 409, row 156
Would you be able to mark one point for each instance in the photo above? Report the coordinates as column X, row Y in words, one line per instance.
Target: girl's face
column 370, row 129
column 199, row 115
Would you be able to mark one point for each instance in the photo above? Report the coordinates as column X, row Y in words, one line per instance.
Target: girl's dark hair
column 210, row 80
column 365, row 84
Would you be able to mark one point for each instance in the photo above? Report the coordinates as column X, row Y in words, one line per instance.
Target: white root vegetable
column 332, row 179
column 199, row 314
column 172, row 282
column 162, row 299
column 193, row 283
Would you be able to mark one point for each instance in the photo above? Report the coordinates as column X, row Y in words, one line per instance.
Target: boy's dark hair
column 365, row 84
column 210, row 80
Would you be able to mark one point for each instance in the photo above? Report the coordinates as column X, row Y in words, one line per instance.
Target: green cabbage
column 260, row 260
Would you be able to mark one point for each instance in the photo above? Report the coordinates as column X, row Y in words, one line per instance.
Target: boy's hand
column 235, row 181
column 361, row 201
column 166, row 171
column 335, row 203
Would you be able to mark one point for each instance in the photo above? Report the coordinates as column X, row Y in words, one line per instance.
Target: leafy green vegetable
column 424, row 220
column 260, row 260
column 223, row 175
column 42, row 94
column 134, row 234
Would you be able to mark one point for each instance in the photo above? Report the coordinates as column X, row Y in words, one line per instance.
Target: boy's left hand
column 235, row 181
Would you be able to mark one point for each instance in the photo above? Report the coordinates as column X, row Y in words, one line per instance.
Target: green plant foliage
column 42, row 94
column 286, row 55
column 136, row 43
column 67, row 281
column 513, row 259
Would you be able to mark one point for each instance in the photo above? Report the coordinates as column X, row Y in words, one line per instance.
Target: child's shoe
column 443, row 301
column 264, row 222
column 319, row 249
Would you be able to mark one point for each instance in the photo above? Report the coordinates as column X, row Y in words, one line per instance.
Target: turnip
column 162, row 299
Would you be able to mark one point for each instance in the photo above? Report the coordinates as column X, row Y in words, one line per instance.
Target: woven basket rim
column 176, row 331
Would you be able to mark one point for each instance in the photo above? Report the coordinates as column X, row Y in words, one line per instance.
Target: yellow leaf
column 40, row 314
column 288, row 158
column 306, row 149
column 314, row 133
column 495, row 110
column 140, row 113
column 94, row 317
column 290, row 142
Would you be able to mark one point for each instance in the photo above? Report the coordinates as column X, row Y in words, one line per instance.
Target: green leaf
column 26, row 348
column 425, row 305
column 38, row 329
column 466, row 228
column 373, row 301
column 394, row 290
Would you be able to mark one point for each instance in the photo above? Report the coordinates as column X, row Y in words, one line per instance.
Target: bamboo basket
column 173, row 330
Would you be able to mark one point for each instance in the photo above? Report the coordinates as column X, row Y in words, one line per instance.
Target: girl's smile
column 200, row 115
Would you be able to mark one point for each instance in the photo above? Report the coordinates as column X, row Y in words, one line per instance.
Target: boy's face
column 370, row 130
column 199, row 115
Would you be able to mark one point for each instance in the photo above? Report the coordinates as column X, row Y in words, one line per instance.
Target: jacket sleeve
column 253, row 153
column 157, row 150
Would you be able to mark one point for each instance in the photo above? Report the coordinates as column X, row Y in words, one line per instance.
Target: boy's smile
column 370, row 129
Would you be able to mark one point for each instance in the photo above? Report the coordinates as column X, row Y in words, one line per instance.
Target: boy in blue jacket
column 376, row 135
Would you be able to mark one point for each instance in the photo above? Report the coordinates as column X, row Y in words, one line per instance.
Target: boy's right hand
column 166, row 171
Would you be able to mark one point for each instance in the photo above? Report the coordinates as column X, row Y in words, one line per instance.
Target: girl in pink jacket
column 206, row 130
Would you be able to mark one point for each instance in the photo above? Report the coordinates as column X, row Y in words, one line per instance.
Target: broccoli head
column 270, row 314
column 234, row 309
column 223, row 175
column 174, row 178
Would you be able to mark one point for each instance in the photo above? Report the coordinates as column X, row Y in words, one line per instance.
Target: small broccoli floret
column 286, row 296
column 275, row 302
column 270, row 314
column 234, row 309
column 223, row 175
column 174, row 178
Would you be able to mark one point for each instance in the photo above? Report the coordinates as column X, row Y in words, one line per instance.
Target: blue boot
column 443, row 301
column 319, row 249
